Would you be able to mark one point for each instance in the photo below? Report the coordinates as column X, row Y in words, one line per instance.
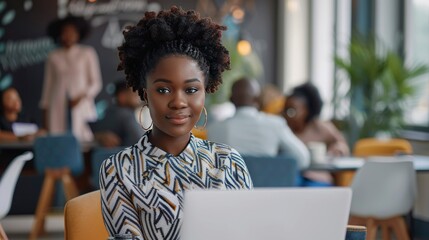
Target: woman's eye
column 191, row 90
column 163, row 90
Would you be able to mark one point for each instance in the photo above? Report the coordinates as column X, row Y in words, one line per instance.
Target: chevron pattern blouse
column 142, row 187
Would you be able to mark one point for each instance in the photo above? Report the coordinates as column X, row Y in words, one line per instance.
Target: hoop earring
column 140, row 119
column 205, row 120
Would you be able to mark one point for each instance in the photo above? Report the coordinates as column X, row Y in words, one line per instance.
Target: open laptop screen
column 280, row 213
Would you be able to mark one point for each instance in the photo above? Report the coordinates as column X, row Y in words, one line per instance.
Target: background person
column 11, row 112
column 256, row 133
column 119, row 127
column 301, row 111
column 72, row 80
column 172, row 58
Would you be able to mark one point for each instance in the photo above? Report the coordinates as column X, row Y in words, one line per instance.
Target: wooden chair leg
column 385, row 231
column 70, row 188
column 400, row 228
column 343, row 178
column 43, row 205
column 3, row 235
column 371, row 226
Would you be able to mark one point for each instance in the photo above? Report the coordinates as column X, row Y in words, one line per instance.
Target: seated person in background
column 11, row 112
column 252, row 132
column 119, row 126
column 301, row 111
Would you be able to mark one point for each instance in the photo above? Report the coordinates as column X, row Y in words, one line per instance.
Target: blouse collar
column 187, row 155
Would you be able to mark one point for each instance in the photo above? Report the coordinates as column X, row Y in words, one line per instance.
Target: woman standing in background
column 72, row 80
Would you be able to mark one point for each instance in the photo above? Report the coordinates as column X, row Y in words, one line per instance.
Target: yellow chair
column 367, row 147
column 83, row 218
column 272, row 100
column 275, row 106
column 377, row 147
column 200, row 133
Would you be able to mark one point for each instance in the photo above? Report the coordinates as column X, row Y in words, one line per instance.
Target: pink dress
column 70, row 73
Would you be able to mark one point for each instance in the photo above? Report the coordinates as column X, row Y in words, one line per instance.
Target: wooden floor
column 18, row 227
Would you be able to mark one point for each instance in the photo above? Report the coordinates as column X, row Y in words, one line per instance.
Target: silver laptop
column 277, row 213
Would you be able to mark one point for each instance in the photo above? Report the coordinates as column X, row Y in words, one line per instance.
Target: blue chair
column 98, row 155
column 279, row 171
column 57, row 157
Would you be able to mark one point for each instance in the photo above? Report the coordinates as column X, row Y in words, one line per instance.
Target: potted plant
column 380, row 86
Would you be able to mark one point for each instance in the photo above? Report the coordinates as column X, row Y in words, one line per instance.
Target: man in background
column 119, row 126
column 255, row 133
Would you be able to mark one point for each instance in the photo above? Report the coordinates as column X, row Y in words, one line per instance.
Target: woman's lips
column 178, row 119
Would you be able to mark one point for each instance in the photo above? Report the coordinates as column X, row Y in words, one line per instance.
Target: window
column 417, row 52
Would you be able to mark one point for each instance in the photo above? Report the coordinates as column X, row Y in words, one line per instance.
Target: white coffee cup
column 317, row 152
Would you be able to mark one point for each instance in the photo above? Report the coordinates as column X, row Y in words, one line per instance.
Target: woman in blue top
column 172, row 59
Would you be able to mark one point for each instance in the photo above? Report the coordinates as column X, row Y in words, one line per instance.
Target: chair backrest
column 58, row 151
column 378, row 147
column 8, row 181
column 98, row 155
column 383, row 187
column 279, row 171
column 83, row 218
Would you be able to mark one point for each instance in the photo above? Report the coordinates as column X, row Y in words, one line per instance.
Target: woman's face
column 69, row 35
column 175, row 94
column 11, row 101
column 295, row 112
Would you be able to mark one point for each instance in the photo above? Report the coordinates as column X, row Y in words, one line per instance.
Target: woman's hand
column 75, row 101
column 338, row 149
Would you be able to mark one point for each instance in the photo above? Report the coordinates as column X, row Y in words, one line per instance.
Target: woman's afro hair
column 56, row 26
column 173, row 32
column 312, row 97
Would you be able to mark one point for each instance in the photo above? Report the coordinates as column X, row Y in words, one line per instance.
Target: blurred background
column 368, row 58
column 283, row 43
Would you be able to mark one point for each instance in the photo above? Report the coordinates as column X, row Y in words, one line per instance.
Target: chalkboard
column 24, row 44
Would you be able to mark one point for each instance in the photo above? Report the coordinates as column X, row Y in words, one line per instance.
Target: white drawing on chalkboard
column 112, row 13
column 112, row 36
column 62, row 8
column 7, row 18
column 28, row 4
column 15, row 54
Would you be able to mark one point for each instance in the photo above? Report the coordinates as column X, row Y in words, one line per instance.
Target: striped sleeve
column 238, row 176
column 120, row 216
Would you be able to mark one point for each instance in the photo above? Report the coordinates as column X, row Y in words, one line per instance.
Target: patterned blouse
column 142, row 186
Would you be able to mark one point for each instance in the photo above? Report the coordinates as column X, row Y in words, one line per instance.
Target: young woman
column 72, row 80
column 301, row 111
column 172, row 59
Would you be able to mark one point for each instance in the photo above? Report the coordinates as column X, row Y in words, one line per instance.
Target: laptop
column 264, row 213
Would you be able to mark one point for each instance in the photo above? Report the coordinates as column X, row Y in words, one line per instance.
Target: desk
column 421, row 163
column 16, row 145
column 28, row 145
column 343, row 167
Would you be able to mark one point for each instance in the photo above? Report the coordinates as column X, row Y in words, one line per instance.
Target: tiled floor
column 18, row 227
